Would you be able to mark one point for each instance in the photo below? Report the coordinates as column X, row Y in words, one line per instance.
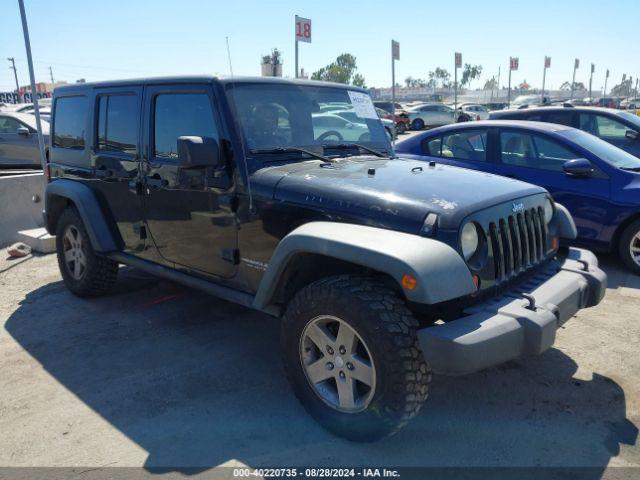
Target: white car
column 333, row 127
column 431, row 115
column 352, row 116
column 476, row 112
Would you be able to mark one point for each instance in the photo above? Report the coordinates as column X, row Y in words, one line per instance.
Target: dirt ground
column 157, row 375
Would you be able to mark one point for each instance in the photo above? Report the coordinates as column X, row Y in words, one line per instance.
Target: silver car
column 19, row 141
column 431, row 115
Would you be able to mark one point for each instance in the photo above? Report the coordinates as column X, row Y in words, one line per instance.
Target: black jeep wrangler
column 383, row 269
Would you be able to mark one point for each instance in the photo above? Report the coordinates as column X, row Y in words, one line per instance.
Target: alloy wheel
column 337, row 364
column 75, row 258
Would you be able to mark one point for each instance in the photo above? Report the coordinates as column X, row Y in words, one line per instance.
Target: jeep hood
column 390, row 193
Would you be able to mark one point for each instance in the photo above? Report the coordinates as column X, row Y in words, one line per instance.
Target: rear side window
column 433, row 147
column 118, row 123
column 178, row 115
column 602, row 126
column 561, row 118
column 70, row 122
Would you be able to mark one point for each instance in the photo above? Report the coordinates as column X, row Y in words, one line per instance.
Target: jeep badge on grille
column 518, row 207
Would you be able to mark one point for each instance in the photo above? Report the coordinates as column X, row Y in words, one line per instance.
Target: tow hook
column 532, row 302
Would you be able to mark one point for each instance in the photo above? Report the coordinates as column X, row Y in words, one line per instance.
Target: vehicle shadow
column 197, row 382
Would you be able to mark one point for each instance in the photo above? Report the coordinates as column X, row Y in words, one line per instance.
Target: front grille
column 518, row 242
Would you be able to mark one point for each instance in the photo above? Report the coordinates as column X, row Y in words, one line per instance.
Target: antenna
column 229, row 56
column 239, row 129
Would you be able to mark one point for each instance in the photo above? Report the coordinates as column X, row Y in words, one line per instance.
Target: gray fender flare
column 440, row 270
column 85, row 201
column 563, row 222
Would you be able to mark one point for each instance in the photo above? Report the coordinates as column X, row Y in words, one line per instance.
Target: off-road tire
column 624, row 246
column 100, row 273
column 382, row 320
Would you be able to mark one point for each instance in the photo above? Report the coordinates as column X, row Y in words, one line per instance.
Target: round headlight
column 469, row 240
column 548, row 210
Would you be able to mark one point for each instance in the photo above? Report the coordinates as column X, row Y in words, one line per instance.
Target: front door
column 17, row 149
column 539, row 159
column 190, row 219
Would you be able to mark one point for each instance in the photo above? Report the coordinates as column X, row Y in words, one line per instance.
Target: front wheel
column 352, row 356
column 629, row 247
column 401, row 128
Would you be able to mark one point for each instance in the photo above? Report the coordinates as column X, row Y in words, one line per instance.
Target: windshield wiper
column 348, row 146
column 291, row 150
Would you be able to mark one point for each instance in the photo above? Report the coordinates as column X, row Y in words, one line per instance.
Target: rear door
column 115, row 157
column 189, row 212
column 537, row 158
column 17, row 149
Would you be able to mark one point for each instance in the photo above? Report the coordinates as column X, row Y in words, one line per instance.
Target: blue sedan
column 597, row 182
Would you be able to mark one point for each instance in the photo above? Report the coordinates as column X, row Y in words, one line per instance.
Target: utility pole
column 15, row 74
column 51, row 73
column 593, row 69
column 547, row 64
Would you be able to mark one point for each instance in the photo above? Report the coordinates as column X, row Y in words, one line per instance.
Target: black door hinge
column 231, row 255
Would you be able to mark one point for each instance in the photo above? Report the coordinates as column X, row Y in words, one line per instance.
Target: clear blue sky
column 100, row 40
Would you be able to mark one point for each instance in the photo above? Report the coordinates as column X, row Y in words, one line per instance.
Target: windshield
column 605, row 151
column 306, row 116
column 631, row 118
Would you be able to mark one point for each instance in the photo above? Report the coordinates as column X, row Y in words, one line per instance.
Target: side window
column 180, row 114
column 70, row 122
column 432, row 147
column 603, row 126
column 118, row 123
column 533, row 151
column 561, row 118
column 466, row 145
column 9, row 125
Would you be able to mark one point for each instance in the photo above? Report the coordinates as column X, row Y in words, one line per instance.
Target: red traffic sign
column 458, row 60
column 513, row 63
column 547, row 62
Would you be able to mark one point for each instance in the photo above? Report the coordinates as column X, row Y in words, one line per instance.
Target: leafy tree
column 623, row 88
column 343, row 70
column 491, row 84
column 576, row 86
column 440, row 74
column 469, row 73
column 415, row 82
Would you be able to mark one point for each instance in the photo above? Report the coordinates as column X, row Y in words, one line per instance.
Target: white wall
column 17, row 209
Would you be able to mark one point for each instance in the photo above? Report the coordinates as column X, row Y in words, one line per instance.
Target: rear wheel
column 84, row 273
column 401, row 128
column 417, row 124
column 352, row 356
column 629, row 247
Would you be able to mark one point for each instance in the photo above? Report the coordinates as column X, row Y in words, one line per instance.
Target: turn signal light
column 409, row 282
column 476, row 281
column 555, row 243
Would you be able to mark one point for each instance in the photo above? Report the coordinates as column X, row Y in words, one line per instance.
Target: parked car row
column 582, row 168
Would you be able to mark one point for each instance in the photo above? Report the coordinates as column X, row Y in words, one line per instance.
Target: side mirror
column 196, row 152
column 632, row 134
column 24, row 131
column 580, row 167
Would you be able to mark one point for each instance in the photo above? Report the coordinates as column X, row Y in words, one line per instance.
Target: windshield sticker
column 362, row 105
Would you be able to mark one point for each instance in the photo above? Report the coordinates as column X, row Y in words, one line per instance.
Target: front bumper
column 522, row 321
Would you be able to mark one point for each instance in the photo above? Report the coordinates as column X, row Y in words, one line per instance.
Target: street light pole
column 34, row 94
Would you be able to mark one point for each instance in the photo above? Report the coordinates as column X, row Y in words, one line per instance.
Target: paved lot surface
column 158, row 375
